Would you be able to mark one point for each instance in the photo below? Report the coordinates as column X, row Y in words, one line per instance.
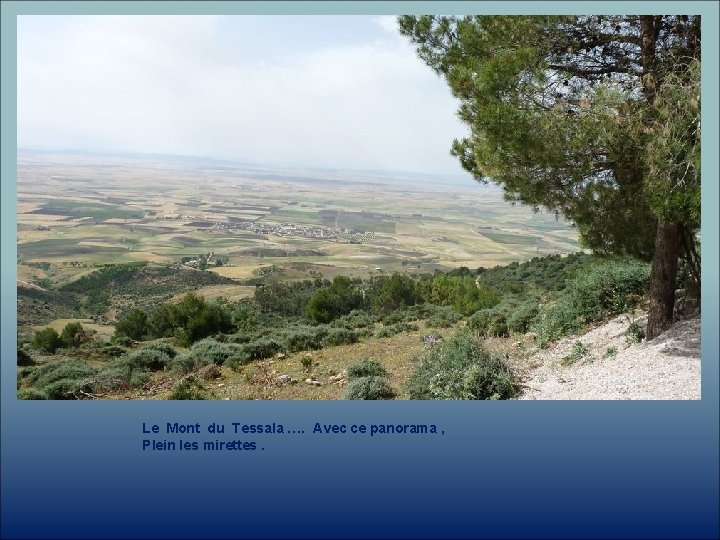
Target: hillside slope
column 668, row 367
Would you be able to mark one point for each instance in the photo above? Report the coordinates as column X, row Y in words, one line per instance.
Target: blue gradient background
column 502, row 469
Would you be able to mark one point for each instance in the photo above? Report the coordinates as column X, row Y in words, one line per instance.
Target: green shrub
column 31, row 393
column 394, row 293
column 164, row 348
column 132, row 325
column 461, row 369
column 208, row 351
column 111, row 379
column 608, row 288
column 47, row 340
column 367, row 367
column 369, row 388
column 397, row 328
column 260, row 348
column 579, row 350
column 113, row 351
column 302, row 338
column 339, row 336
column 306, row 362
column 73, row 335
column 74, row 370
column 146, row 359
column 489, row 322
column 23, row 358
column 635, row 333
column 63, row 389
column 522, row 315
column 338, row 299
column 554, row 321
column 355, row 319
column 445, row 317
column 190, row 388
column 610, row 352
column 121, row 340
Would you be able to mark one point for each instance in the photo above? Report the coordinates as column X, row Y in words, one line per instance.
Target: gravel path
column 668, row 367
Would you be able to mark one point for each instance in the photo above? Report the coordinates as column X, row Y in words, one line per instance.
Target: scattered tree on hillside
column 593, row 117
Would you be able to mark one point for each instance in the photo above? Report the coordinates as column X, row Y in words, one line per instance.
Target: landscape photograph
column 358, row 207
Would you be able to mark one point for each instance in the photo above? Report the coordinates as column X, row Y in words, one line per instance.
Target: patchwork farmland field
column 79, row 211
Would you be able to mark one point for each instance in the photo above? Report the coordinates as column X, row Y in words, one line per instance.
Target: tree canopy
column 596, row 118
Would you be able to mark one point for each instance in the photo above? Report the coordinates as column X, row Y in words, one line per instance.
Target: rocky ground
column 608, row 365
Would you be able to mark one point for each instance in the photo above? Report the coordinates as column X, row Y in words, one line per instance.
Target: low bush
column 339, row 336
column 260, row 348
column 367, row 367
column 190, row 388
column 52, row 372
column 47, row 340
column 461, row 369
column 369, row 388
column 301, row 338
column 355, row 319
column 443, row 317
column 489, row 322
column 208, row 351
column 73, row 335
column 145, row 359
column 635, row 333
column 31, row 393
column 578, row 351
column 393, row 329
column 23, row 358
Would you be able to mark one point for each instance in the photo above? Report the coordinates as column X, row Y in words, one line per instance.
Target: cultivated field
column 77, row 211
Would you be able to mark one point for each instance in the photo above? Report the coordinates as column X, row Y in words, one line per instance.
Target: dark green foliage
column 120, row 340
column 190, row 388
column 73, row 335
column 164, row 348
column 146, row 359
column 490, row 322
column 461, row 369
column 393, row 329
column 301, row 338
column 261, row 348
column 63, row 389
column 60, row 380
column 393, row 293
column 355, row 319
column 596, row 118
column 460, row 292
column 338, row 336
column 56, row 371
column 578, row 351
column 369, row 388
column 115, row 377
column 142, row 280
column 609, row 288
column 208, row 351
column 160, row 322
column 605, row 289
column 329, row 303
column 23, row 358
column 31, row 393
column 444, row 317
column 635, row 333
column 289, row 299
column 367, row 367
column 189, row 320
column 520, row 318
column 47, row 340
column 133, row 324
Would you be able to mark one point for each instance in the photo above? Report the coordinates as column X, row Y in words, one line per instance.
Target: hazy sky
column 323, row 91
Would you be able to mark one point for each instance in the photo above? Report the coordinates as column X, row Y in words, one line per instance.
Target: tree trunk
column 662, row 278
